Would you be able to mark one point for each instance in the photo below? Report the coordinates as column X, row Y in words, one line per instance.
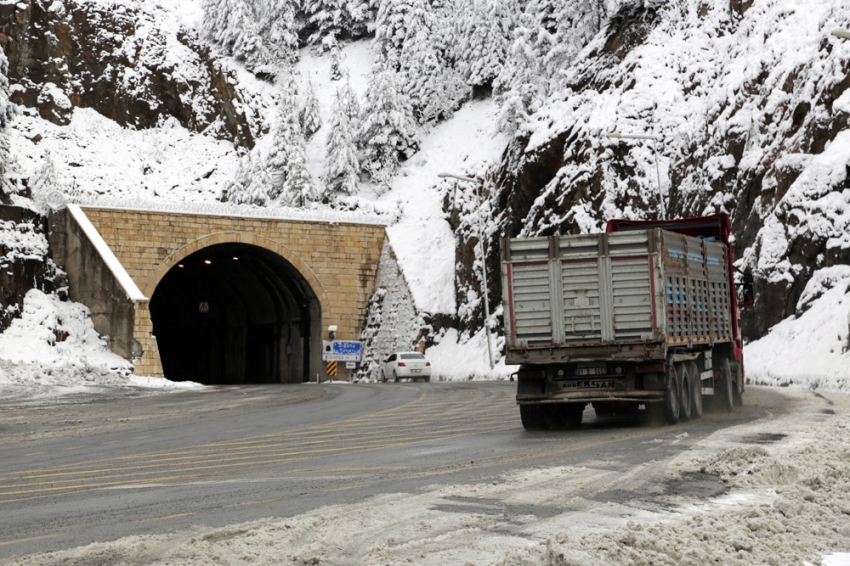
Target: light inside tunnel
column 221, row 321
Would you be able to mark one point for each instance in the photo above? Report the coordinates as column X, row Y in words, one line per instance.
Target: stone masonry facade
column 339, row 260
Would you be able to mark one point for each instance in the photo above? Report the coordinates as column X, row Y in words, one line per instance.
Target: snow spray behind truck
column 645, row 313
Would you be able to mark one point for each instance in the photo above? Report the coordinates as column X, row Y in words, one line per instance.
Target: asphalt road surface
column 100, row 469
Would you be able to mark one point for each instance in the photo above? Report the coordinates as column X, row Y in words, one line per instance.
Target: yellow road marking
column 258, row 442
column 432, row 434
column 29, row 539
column 171, row 478
column 234, row 461
column 167, row 517
column 287, row 447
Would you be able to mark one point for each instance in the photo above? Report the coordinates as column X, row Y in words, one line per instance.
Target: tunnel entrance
column 235, row 314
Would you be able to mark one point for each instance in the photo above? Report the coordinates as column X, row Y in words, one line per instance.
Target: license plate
column 592, row 371
column 589, row 384
column 416, row 371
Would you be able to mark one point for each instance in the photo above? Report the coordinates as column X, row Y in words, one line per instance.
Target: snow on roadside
column 455, row 358
column 797, row 508
column 811, row 349
column 786, row 504
column 53, row 349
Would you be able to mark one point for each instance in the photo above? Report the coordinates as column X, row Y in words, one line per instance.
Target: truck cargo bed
column 632, row 295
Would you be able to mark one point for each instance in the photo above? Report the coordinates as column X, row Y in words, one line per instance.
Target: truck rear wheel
column 696, row 390
column 726, row 393
column 563, row 415
column 685, row 384
column 532, row 417
column 671, row 397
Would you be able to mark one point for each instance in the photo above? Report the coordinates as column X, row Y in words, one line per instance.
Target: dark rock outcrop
column 122, row 63
column 25, row 266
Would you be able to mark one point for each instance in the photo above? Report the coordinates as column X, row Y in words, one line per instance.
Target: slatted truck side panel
column 605, row 318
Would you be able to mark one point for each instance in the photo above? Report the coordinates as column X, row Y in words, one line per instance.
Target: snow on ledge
column 324, row 215
column 124, row 279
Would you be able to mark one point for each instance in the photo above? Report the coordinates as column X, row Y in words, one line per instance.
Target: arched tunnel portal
column 235, row 313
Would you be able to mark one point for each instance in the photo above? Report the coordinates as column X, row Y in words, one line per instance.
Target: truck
column 644, row 314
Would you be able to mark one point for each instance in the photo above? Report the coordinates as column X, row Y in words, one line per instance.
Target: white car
column 403, row 365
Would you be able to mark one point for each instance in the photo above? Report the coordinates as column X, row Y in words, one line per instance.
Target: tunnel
column 235, row 314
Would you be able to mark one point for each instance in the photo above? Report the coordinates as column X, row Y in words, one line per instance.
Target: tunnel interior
column 235, row 314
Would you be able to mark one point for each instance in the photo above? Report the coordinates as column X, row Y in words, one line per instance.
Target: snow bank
column 53, row 348
column 461, row 358
column 52, row 332
column 808, row 350
column 787, row 502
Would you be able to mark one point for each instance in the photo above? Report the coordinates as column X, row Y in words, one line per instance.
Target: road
column 106, row 468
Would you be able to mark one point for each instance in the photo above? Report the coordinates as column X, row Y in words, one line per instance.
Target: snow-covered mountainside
column 356, row 106
column 748, row 101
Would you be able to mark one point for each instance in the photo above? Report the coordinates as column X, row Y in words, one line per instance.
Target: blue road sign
column 342, row 351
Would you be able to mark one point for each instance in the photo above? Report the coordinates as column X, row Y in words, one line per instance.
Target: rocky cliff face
column 132, row 65
column 748, row 100
column 24, row 261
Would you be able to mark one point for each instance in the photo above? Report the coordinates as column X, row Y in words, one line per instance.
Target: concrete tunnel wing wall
column 338, row 261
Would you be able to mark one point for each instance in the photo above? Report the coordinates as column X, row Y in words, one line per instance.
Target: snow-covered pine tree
column 298, row 186
column 232, row 25
column 43, row 182
column 576, row 23
column 445, row 32
column 336, row 62
column 308, row 113
column 520, row 86
column 488, row 38
column 279, row 28
column 391, row 29
column 247, row 187
column 433, row 87
column 341, row 164
column 335, row 18
column 387, row 129
column 350, row 103
column 286, row 163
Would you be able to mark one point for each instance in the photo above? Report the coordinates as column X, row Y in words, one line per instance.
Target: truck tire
column 671, row 396
column 532, row 417
column 572, row 414
column 685, row 395
column 726, row 395
column 696, row 391
column 563, row 415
